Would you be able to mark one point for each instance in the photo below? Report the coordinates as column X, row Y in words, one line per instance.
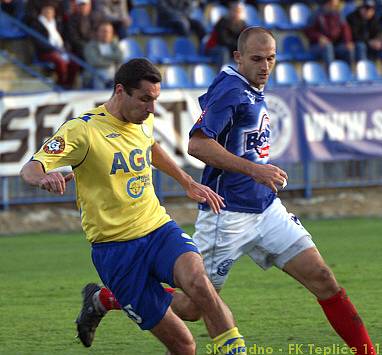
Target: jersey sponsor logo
column 258, row 139
column 55, row 146
column 224, row 267
column 138, row 160
column 112, row 135
column 281, row 125
column 136, row 185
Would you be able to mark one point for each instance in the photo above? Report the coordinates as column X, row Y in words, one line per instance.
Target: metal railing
column 31, row 32
column 338, row 174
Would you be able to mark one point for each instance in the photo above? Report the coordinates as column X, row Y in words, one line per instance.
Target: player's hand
column 271, row 176
column 55, row 182
column 202, row 194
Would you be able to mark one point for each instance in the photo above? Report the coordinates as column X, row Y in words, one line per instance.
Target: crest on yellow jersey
column 55, row 146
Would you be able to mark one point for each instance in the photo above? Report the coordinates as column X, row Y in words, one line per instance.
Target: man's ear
column 237, row 57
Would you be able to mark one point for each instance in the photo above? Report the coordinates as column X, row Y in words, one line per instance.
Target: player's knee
column 325, row 281
column 200, row 284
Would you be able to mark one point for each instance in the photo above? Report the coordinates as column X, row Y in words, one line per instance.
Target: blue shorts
column 133, row 271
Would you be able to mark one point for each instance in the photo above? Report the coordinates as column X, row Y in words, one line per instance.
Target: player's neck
column 112, row 108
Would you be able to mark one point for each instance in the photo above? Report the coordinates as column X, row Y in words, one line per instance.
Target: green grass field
column 42, row 275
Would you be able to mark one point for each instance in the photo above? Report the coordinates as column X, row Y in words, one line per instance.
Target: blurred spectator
column 366, row 30
column 13, row 8
column 33, row 7
column 229, row 2
column 116, row 12
column 54, row 51
column 80, row 27
column 176, row 14
column 105, row 55
column 330, row 36
column 223, row 38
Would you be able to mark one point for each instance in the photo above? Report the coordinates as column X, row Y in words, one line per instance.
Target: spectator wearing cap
column 366, row 30
column 329, row 35
column 52, row 50
column 105, row 55
column 81, row 26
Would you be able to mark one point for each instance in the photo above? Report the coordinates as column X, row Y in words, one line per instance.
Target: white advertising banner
column 26, row 121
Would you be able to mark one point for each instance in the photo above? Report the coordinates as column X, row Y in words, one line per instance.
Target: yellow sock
column 230, row 342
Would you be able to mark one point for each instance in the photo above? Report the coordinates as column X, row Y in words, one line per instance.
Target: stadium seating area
column 184, row 64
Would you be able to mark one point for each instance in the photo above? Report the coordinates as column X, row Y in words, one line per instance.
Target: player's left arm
column 198, row 192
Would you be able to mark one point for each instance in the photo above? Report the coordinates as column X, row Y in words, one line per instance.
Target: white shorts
column 273, row 237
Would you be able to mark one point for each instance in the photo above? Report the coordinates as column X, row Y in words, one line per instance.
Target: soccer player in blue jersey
column 135, row 244
column 232, row 136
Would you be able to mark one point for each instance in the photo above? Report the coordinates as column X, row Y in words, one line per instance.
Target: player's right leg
column 174, row 334
column 96, row 302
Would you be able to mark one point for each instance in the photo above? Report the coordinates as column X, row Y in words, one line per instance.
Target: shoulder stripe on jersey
column 85, row 118
column 88, row 116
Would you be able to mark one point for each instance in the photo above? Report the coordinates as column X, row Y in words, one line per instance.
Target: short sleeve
column 217, row 113
column 68, row 146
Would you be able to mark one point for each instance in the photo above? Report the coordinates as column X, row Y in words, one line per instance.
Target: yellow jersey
column 111, row 160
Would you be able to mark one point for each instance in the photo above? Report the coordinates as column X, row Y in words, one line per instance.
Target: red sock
column 170, row 290
column 108, row 300
column 345, row 320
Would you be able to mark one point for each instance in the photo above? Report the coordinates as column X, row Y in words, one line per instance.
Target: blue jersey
column 235, row 115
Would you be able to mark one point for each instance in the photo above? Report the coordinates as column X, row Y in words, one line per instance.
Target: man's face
column 84, row 8
column 105, row 33
column 48, row 12
column 258, row 59
column 135, row 108
column 367, row 12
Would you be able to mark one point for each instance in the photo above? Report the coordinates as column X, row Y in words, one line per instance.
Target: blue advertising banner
column 340, row 122
column 282, row 108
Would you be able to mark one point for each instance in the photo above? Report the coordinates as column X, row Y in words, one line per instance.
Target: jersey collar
column 231, row 71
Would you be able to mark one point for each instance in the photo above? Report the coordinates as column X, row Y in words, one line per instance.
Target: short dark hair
column 242, row 40
column 131, row 73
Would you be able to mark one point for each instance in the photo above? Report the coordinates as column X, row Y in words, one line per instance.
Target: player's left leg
column 178, row 263
column 309, row 268
column 190, row 276
column 288, row 245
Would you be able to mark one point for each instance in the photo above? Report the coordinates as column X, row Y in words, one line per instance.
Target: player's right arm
column 68, row 147
column 212, row 153
column 34, row 174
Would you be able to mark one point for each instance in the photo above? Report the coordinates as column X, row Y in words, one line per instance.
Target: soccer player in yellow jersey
column 135, row 244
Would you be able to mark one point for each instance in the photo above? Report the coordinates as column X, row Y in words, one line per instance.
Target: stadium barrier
column 323, row 136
